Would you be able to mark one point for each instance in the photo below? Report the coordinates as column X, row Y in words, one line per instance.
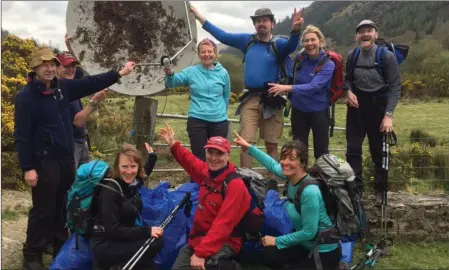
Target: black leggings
column 298, row 256
column 118, row 252
column 200, row 131
column 302, row 122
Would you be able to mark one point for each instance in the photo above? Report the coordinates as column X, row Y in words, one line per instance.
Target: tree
column 15, row 58
column 234, row 66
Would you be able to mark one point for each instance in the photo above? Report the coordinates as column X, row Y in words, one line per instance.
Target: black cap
column 365, row 23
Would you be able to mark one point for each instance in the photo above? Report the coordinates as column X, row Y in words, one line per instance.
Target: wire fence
column 413, row 166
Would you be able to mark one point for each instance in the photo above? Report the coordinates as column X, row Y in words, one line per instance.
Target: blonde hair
column 208, row 42
column 131, row 152
column 313, row 29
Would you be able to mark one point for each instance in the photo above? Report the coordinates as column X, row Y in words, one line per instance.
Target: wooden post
column 144, row 122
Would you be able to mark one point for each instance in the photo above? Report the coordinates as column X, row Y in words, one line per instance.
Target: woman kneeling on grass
column 294, row 248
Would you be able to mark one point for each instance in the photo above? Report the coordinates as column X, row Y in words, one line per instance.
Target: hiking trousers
column 223, row 260
column 297, row 258
column 200, row 131
column 361, row 122
column 47, row 217
column 302, row 122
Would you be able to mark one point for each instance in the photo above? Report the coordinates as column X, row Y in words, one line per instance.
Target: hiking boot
column 33, row 262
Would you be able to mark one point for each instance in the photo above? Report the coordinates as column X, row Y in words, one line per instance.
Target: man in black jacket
column 43, row 137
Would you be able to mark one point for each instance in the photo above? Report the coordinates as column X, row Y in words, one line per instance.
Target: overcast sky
column 45, row 20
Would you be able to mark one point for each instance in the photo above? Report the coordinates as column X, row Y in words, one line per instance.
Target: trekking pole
column 135, row 259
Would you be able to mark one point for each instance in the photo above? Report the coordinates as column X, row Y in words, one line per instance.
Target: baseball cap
column 66, row 58
column 219, row 143
column 41, row 54
column 365, row 23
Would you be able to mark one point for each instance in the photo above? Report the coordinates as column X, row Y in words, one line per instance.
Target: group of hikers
column 50, row 138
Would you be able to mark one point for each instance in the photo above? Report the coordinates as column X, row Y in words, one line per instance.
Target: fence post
column 144, row 122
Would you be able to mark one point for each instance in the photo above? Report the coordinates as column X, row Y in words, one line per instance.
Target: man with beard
column 43, row 137
column 68, row 69
column 371, row 99
column 260, row 67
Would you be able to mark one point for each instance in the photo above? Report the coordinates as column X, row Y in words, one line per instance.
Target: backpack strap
column 110, row 188
column 250, row 43
column 381, row 53
column 353, row 63
column 228, row 179
column 302, row 185
column 297, row 64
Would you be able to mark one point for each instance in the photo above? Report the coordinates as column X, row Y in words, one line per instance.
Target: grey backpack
column 335, row 178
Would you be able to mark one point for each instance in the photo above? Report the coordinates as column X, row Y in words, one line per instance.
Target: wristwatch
column 93, row 103
column 389, row 114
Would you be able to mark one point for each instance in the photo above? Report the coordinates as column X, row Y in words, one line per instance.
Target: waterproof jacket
column 43, row 124
column 215, row 218
column 117, row 213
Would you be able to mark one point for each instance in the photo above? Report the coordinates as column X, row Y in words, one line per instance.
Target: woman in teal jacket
column 209, row 96
column 294, row 248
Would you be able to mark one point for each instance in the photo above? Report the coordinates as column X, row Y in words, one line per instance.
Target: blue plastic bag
column 194, row 190
column 158, row 203
column 277, row 221
column 71, row 258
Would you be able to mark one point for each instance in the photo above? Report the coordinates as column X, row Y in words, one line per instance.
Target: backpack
column 284, row 65
column 252, row 222
column 337, row 88
column 400, row 51
column 81, row 196
column 335, row 178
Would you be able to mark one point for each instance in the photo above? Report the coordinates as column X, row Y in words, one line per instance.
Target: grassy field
column 431, row 116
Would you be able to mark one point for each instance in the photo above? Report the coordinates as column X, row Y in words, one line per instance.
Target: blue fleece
column 209, row 91
column 310, row 93
column 260, row 63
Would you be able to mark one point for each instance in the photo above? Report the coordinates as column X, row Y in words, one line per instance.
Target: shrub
column 422, row 137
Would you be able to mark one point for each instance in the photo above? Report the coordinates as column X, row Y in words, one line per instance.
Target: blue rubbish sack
column 71, row 258
column 347, row 248
column 180, row 192
column 158, row 203
column 251, row 253
column 277, row 221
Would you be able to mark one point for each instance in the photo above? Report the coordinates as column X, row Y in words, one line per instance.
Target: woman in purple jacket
column 309, row 95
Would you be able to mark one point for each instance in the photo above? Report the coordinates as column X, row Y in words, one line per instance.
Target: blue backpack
column 285, row 65
column 399, row 50
column 80, row 197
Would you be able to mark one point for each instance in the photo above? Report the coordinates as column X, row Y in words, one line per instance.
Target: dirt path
column 15, row 206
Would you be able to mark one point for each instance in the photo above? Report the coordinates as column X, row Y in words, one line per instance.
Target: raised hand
column 149, row 148
column 167, row 134
column 241, row 142
column 128, row 68
column 298, row 20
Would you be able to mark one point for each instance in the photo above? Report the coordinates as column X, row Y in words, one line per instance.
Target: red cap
column 66, row 58
column 219, row 143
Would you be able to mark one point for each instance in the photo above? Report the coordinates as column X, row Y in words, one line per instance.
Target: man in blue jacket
column 43, row 137
column 260, row 68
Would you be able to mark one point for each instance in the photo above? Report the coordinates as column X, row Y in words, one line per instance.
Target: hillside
column 398, row 21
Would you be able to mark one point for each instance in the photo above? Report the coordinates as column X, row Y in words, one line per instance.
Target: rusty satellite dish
column 107, row 34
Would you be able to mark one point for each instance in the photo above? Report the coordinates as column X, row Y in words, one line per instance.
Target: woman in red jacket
column 214, row 240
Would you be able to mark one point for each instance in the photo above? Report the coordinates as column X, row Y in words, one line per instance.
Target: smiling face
column 216, row 159
column 67, row 72
column 366, row 36
column 207, row 54
column 293, row 159
column 264, row 26
column 128, row 168
column 46, row 71
column 311, row 44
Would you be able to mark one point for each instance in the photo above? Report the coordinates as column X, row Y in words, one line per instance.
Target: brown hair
column 313, row 29
column 130, row 151
column 301, row 150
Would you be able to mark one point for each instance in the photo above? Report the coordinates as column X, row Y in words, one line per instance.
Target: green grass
column 9, row 214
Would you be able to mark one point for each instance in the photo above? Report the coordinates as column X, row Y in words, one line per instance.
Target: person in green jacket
column 294, row 248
